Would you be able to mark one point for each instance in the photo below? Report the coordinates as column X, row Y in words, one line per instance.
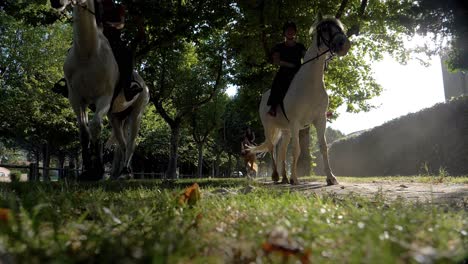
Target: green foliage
column 31, row 12
column 33, row 57
column 192, row 50
column 445, row 21
column 348, row 80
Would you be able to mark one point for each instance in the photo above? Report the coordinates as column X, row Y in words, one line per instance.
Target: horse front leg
column 117, row 162
column 296, row 152
column 320, row 126
column 95, row 127
column 82, row 120
column 85, row 151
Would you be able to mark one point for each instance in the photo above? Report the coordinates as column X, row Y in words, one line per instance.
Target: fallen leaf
column 191, row 195
column 5, row 215
column 280, row 242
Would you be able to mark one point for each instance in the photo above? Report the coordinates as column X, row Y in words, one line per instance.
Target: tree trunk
column 213, row 169
column 45, row 162
column 200, row 160
column 304, row 162
column 61, row 160
column 229, row 171
column 216, row 165
column 172, row 167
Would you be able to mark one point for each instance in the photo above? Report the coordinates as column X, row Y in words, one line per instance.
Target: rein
column 318, row 56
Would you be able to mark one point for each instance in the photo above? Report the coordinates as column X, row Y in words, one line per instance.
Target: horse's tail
column 260, row 149
column 255, row 167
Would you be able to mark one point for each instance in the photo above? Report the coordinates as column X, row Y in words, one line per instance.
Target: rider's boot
column 272, row 111
column 131, row 91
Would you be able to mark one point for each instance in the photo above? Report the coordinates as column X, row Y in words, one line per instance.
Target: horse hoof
column 275, row 177
column 294, row 182
column 332, row 181
column 124, row 177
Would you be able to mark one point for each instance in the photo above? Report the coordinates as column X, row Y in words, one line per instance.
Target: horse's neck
column 316, row 65
column 85, row 29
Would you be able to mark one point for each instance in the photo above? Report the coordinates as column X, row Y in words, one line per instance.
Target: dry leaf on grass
column 191, row 195
column 5, row 215
column 280, row 242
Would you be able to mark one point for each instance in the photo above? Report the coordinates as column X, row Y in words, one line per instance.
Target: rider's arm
column 279, row 62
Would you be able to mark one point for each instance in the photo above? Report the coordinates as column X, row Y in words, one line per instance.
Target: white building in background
column 4, row 175
column 455, row 83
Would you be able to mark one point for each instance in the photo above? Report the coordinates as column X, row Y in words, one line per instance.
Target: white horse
column 92, row 74
column 305, row 102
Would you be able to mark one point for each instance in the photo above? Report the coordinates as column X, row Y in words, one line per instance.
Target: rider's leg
column 275, row 94
column 124, row 59
column 279, row 88
column 126, row 74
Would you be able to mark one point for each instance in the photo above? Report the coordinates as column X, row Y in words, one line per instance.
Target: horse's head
column 330, row 33
column 62, row 4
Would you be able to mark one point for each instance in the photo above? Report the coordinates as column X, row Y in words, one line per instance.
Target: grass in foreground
column 143, row 222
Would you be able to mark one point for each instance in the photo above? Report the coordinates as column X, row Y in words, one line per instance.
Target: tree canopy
column 191, row 50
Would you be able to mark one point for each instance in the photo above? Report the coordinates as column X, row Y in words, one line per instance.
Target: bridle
column 83, row 6
column 326, row 25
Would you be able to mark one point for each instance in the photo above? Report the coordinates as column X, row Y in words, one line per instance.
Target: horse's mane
column 326, row 18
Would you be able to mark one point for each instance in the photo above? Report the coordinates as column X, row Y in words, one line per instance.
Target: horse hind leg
column 283, row 149
column 320, row 126
column 132, row 126
column 119, row 152
column 272, row 138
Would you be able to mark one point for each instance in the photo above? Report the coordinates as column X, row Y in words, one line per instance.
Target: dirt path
column 450, row 194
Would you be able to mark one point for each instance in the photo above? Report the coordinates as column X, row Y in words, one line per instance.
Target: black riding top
column 291, row 54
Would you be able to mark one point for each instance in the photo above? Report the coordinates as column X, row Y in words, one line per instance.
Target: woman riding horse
column 287, row 55
column 111, row 17
column 305, row 102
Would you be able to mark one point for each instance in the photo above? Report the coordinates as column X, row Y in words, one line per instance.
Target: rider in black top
column 287, row 55
column 111, row 16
